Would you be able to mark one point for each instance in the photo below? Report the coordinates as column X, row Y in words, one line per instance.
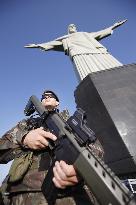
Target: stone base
column 109, row 99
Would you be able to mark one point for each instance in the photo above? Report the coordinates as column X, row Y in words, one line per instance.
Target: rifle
column 72, row 146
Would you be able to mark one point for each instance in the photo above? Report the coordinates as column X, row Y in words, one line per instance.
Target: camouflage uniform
column 26, row 190
column 1, row 199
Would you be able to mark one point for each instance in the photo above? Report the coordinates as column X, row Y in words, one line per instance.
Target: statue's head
column 72, row 29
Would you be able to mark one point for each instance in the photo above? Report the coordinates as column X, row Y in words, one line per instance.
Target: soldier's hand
column 64, row 175
column 38, row 139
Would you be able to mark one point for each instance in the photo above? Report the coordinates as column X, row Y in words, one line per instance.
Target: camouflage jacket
column 11, row 147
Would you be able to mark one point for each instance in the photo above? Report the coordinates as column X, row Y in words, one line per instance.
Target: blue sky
column 24, row 72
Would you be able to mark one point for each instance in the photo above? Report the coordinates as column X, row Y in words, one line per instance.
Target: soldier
column 1, row 198
column 27, row 144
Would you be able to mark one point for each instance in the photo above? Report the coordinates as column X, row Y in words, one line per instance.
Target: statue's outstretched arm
column 117, row 24
column 108, row 31
column 52, row 45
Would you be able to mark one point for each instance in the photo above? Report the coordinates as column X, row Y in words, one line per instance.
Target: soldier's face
column 49, row 102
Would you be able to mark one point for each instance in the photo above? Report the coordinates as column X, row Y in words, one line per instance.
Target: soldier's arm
column 11, row 142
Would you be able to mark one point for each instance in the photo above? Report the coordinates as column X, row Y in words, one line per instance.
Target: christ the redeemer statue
column 84, row 49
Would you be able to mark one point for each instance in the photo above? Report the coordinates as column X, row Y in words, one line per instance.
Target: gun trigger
column 51, row 144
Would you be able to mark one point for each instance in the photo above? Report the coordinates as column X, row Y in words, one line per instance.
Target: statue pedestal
column 109, row 99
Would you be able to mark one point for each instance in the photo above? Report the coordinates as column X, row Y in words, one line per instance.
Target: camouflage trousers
column 37, row 198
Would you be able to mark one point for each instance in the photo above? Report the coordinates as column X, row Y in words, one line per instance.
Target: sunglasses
column 46, row 96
